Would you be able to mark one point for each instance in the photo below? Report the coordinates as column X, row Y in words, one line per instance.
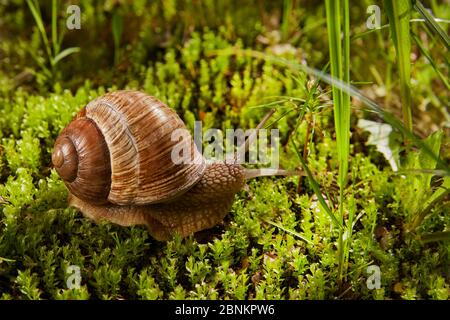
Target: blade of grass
column 35, row 11
column 386, row 26
column 316, row 188
column 117, row 29
column 41, row 64
column 65, row 53
column 280, row 104
column 55, row 28
column 439, row 173
column 339, row 58
column 345, row 118
column 349, row 235
column 287, row 8
column 294, row 233
column 431, row 23
column 284, row 97
column 437, row 198
column 399, row 13
column 427, row 55
column 340, row 68
column 284, row 114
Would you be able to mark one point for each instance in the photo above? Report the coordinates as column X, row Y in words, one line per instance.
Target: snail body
column 115, row 159
column 202, row 207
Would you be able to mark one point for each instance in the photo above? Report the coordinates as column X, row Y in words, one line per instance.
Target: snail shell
column 118, row 150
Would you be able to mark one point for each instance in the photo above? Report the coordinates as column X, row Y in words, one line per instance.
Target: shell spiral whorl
column 81, row 158
column 118, row 150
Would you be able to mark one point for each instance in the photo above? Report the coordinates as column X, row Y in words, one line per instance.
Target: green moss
column 276, row 243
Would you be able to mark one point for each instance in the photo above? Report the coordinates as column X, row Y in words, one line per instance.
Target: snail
column 115, row 159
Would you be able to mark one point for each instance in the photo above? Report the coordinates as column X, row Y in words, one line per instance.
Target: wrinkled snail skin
column 202, row 207
column 115, row 159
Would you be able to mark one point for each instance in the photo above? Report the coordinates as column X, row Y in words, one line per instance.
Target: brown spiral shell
column 118, row 150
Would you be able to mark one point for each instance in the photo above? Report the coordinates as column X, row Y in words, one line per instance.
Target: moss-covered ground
column 277, row 242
